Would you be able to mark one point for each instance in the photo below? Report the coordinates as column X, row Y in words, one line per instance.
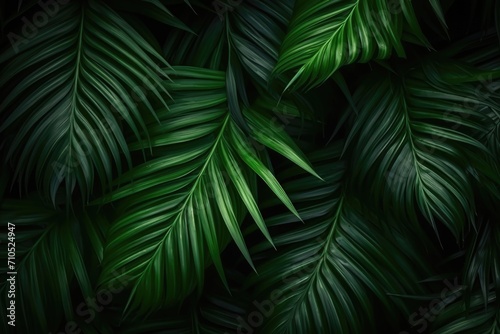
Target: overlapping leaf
column 69, row 88
column 216, row 311
column 483, row 263
column 414, row 139
column 460, row 319
column 323, row 274
column 54, row 254
column 251, row 30
column 242, row 39
column 85, row 89
column 325, row 35
column 178, row 210
column 155, row 9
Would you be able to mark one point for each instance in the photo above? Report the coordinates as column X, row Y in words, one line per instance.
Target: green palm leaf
column 53, row 255
column 252, row 31
column 414, row 139
column 178, row 209
column 486, row 55
column 154, row 9
column 215, row 311
column 242, row 41
column 325, row 272
column 70, row 88
column 457, row 318
column 492, row 137
column 325, row 35
column 482, row 262
column 256, row 30
column 483, row 97
column 436, row 6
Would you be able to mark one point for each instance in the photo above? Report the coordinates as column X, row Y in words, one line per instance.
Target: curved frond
column 414, row 140
column 459, row 319
column 240, row 38
column 482, row 264
column 324, row 273
column 250, row 32
column 69, row 89
column 256, row 30
column 178, row 210
column 215, row 311
column 325, row 35
column 53, row 254
column 154, row 9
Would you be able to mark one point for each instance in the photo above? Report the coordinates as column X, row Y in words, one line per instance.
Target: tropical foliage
column 250, row 166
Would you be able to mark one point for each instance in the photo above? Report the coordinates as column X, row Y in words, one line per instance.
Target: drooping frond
column 459, row 319
column 414, row 139
column 323, row 272
column 69, row 91
column 179, row 209
column 482, row 265
column 54, row 256
column 216, row 311
column 325, row 35
column 251, row 31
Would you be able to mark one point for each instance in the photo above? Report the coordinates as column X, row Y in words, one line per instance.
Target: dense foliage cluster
column 250, row 166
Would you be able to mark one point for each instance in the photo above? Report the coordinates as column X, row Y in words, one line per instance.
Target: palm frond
column 53, row 254
column 436, row 5
column 459, row 319
column 325, row 35
column 414, row 139
column 153, row 165
column 482, row 263
column 480, row 68
column 215, row 311
column 154, row 9
column 178, row 210
column 256, row 30
column 69, row 89
column 204, row 49
column 252, row 30
column 242, row 41
column 321, row 276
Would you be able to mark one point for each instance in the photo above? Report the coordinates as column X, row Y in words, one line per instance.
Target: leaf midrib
column 413, row 149
column 74, row 92
column 324, row 253
column 188, row 196
column 329, row 40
